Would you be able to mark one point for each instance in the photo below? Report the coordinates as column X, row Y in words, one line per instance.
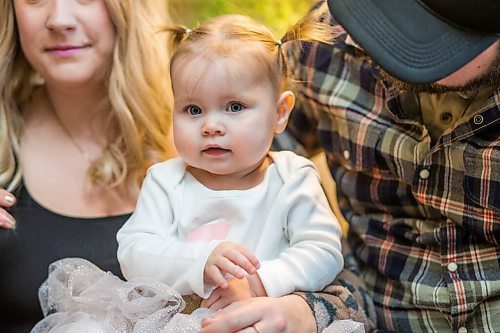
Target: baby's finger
column 214, row 273
column 227, row 265
column 244, row 259
column 250, row 256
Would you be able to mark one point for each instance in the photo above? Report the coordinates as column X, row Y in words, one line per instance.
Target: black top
column 40, row 238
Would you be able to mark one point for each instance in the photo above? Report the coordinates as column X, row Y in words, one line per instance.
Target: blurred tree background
column 275, row 14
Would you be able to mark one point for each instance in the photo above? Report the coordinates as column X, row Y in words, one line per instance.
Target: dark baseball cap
column 420, row 41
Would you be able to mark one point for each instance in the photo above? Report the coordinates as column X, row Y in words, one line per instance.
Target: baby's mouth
column 216, row 151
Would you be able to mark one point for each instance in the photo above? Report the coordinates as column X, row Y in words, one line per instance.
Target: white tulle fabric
column 79, row 297
column 345, row 326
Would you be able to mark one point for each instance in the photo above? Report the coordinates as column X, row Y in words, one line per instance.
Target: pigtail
column 312, row 27
column 178, row 34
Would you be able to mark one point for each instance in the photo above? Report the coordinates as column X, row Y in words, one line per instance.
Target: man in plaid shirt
column 414, row 149
column 417, row 166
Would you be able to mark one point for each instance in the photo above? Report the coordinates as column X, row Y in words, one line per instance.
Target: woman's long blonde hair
column 139, row 93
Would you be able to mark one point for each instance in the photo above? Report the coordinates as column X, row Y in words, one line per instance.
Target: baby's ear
column 285, row 107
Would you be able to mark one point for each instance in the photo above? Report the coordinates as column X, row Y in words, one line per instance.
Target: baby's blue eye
column 193, row 110
column 235, row 107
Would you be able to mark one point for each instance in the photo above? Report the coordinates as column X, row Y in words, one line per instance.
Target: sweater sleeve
column 344, row 298
column 313, row 257
column 148, row 243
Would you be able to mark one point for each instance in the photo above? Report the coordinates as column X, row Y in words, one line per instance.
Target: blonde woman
column 83, row 113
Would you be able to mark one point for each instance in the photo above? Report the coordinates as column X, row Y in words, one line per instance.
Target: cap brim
column 406, row 40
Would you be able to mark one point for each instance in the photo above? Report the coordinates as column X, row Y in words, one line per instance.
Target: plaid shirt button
column 424, row 174
column 478, row 119
column 347, row 154
column 462, row 330
column 452, row 267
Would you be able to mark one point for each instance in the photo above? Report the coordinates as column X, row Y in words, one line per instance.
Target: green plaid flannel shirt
column 424, row 217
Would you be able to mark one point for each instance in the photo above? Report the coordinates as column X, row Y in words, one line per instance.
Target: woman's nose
column 60, row 15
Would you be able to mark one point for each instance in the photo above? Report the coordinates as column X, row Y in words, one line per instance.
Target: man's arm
column 344, row 298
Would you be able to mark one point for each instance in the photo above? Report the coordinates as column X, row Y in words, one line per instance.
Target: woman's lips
column 65, row 51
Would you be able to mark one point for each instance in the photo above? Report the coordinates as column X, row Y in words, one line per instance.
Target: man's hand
column 287, row 314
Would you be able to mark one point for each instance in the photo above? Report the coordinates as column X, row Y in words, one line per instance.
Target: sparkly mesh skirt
column 79, row 297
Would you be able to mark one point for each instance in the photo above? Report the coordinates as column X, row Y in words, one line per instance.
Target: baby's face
column 224, row 118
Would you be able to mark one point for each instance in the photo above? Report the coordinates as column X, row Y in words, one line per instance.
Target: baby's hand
column 238, row 289
column 232, row 258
